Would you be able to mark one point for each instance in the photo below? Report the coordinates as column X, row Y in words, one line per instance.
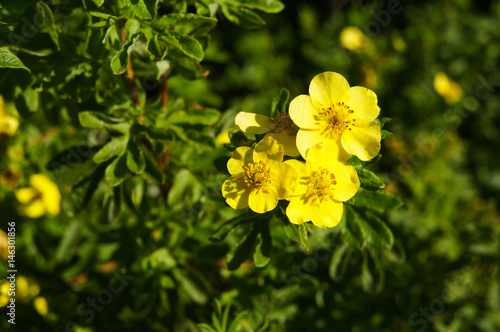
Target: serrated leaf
column 279, row 101
column 377, row 201
column 9, row 60
column 116, row 171
column 207, row 117
column 187, row 44
column 369, row 180
column 244, row 249
column 339, row 262
column 135, row 158
column 117, row 146
column 351, row 229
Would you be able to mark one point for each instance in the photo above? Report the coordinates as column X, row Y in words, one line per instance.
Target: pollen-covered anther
column 322, row 183
column 257, row 174
column 337, row 118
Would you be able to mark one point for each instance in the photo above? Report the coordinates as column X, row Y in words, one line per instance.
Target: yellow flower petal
column 268, row 150
column 326, row 154
column 302, row 175
column 328, row 88
column 41, row 305
column 22, row 286
column 304, row 112
column 8, row 125
column 236, row 192
column 4, row 300
column 352, row 38
column 35, row 210
column 263, row 200
column 306, row 139
column 364, row 104
column 241, row 156
column 288, row 141
column 347, row 181
column 284, row 180
column 298, row 212
column 253, row 123
column 25, row 195
column 327, row 214
column 51, row 197
column 364, row 143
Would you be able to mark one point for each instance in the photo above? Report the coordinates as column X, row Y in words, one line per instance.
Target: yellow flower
column 8, row 124
column 42, row 197
column 41, row 305
column 335, row 112
column 447, row 88
column 352, row 38
column 279, row 127
column 258, row 177
column 325, row 180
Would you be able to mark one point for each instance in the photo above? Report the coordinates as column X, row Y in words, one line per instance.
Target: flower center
column 322, row 183
column 282, row 122
column 338, row 117
column 257, row 174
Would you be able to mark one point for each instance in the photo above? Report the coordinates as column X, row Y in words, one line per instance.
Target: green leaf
column 351, row 229
column 304, row 239
column 339, row 262
column 386, row 134
column 227, row 227
column 157, row 49
column 369, row 180
column 98, row 120
column 375, row 230
column 383, row 121
column 9, row 60
column 116, row 171
column 117, row 146
column 135, row 158
column 207, row 117
column 242, row 16
column 268, row 6
column 153, row 169
column 356, row 162
column 237, row 321
column 139, row 8
column 189, row 23
column 183, row 180
column 372, row 275
column 205, row 328
column 119, row 63
column 188, row 45
column 48, row 21
column 71, row 157
column 244, row 249
column 279, row 101
column 377, row 201
column 262, row 254
column 98, row 3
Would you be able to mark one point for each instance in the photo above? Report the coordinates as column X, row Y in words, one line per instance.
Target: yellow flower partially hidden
column 352, row 38
column 337, row 113
column 447, row 88
column 258, row 177
column 325, row 180
column 279, row 127
column 8, row 124
column 43, row 197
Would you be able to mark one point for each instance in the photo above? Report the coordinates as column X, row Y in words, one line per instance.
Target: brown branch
column 164, row 90
column 131, row 82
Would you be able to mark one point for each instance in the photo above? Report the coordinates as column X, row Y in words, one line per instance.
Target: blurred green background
column 435, row 67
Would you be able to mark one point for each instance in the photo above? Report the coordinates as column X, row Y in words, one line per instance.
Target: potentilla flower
column 41, row 198
column 280, row 127
column 447, row 88
column 8, row 124
column 335, row 112
column 325, row 180
column 352, row 38
column 258, row 177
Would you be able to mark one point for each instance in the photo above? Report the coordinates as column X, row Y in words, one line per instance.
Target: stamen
column 257, row 174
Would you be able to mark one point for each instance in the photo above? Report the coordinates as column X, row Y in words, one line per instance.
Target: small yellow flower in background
column 352, row 38
column 4, row 293
column 223, row 137
column 8, row 124
column 258, row 177
column 42, row 197
column 22, row 287
column 41, row 305
column 4, row 243
column 325, row 180
column 279, row 127
column 336, row 112
column 447, row 88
